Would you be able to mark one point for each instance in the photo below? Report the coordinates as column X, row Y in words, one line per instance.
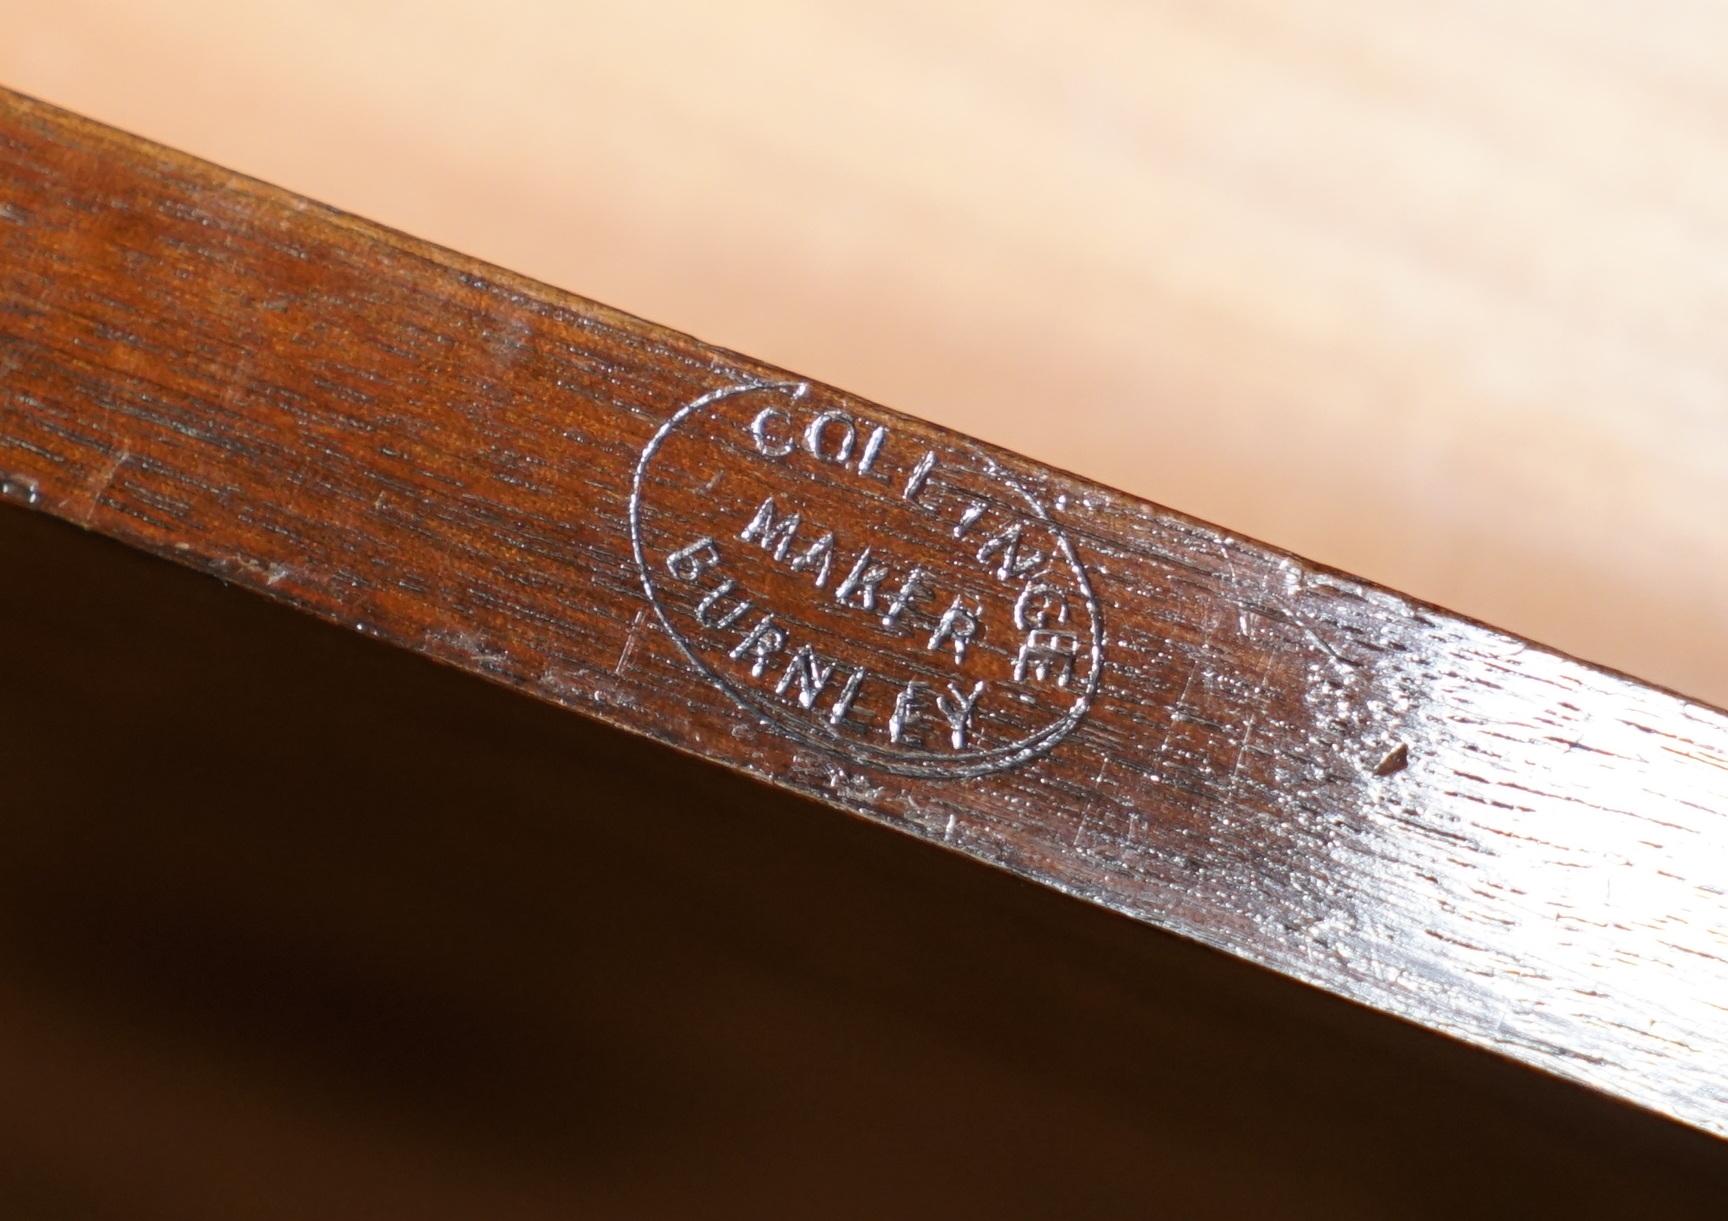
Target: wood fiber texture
column 296, row 924
column 1279, row 260
column 1399, row 806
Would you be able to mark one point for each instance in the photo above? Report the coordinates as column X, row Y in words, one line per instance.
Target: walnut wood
column 1399, row 806
column 1457, row 262
column 295, row 924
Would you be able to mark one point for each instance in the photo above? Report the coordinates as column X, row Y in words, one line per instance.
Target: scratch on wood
column 629, row 648
column 99, row 487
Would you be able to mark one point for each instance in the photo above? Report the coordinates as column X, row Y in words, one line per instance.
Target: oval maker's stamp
column 913, row 609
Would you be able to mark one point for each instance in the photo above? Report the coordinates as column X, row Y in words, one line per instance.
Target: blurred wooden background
column 1434, row 293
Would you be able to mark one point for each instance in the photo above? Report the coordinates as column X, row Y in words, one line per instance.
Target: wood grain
column 1402, row 807
column 299, row 924
column 296, row 924
column 1425, row 292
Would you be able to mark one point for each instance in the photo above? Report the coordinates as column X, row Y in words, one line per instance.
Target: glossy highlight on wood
column 535, row 967
column 1399, row 806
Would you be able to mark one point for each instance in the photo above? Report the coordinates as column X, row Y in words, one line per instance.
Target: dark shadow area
column 293, row 924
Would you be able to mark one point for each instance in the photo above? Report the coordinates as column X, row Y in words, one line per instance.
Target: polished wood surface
column 1429, row 292
column 1402, row 807
column 294, row 924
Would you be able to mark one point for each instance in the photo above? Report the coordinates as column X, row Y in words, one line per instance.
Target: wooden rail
column 1401, row 807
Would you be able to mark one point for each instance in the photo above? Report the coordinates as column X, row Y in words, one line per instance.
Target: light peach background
column 1437, row 293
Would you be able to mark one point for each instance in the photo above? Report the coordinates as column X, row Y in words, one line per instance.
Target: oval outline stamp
column 918, row 762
